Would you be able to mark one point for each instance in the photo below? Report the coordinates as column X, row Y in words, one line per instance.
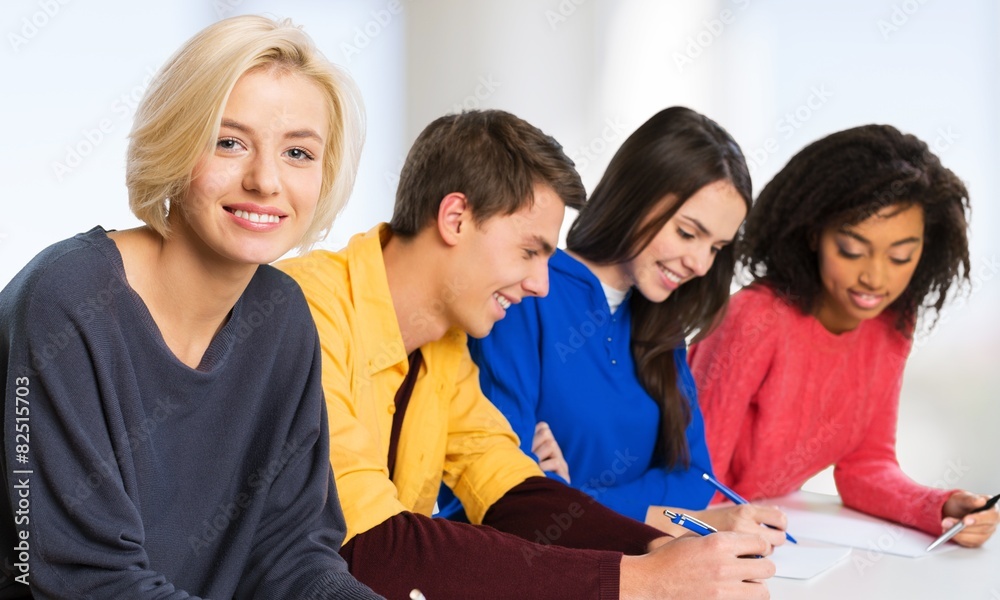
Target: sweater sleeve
column 729, row 367
column 80, row 527
column 444, row 559
column 550, row 512
column 869, row 478
column 302, row 526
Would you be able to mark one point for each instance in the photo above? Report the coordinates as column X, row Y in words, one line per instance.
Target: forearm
column 880, row 488
column 444, row 559
column 549, row 512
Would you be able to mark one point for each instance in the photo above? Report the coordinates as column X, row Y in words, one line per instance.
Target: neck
column 188, row 290
column 415, row 285
column 834, row 321
column 612, row 275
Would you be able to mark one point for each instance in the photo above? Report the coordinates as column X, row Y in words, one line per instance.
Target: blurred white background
column 777, row 74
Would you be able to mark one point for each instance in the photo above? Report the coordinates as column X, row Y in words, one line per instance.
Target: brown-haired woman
column 594, row 377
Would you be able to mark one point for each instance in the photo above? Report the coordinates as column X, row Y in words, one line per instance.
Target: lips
column 255, row 217
column 866, row 301
column 503, row 301
column 670, row 279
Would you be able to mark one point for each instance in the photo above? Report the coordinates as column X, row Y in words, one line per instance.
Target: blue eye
column 299, row 154
column 229, row 144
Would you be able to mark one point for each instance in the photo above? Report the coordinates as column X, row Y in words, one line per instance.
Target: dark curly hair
column 844, row 179
column 673, row 154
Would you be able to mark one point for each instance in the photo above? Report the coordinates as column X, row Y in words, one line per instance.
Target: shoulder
column 318, row 271
column 883, row 329
column 756, row 311
column 67, row 273
column 271, row 287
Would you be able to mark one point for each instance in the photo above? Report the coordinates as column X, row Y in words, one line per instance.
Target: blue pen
column 737, row 499
column 688, row 522
column 692, row 524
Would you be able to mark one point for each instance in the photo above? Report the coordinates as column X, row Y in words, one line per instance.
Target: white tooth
column 241, row 214
column 254, row 218
column 272, row 218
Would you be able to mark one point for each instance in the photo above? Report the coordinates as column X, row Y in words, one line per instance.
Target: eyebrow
column 910, row 240
column 546, row 247
column 701, row 227
column 297, row 134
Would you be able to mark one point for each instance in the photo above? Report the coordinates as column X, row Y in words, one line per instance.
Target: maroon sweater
column 541, row 540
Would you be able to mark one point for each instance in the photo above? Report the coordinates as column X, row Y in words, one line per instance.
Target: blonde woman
column 168, row 379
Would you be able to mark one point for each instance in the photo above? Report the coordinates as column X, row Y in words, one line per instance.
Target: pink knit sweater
column 784, row 398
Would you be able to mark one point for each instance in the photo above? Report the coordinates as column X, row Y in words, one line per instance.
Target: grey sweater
column 127, row 474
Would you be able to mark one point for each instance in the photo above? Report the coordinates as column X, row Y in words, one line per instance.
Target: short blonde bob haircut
column 178, row 120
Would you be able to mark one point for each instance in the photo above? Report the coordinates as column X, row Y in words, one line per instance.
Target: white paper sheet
column 806, row 559
column 834, row 524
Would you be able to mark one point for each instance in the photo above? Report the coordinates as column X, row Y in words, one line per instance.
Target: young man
column 481, row 198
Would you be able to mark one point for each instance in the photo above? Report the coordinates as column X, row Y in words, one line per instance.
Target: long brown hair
column 672, row 155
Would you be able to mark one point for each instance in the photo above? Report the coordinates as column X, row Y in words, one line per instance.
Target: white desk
column 962, row 573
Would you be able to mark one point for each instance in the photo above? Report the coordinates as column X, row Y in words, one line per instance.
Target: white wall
column 585, row 71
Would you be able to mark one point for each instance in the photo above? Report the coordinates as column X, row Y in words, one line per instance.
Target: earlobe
column 452, row 212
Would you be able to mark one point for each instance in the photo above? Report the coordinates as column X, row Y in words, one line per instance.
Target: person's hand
column 742, row 518
column 747, row 518
column 699, row 567
column 550, row 456
column 978, row 526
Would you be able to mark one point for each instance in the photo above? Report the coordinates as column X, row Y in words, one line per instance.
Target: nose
column 262, row 176
column 873, row 273
column 537, row 282
column 699, row 260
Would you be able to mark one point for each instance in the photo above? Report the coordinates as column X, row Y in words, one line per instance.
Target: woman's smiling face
column 865, row 267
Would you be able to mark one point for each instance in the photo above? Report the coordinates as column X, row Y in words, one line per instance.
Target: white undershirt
column 614, row 296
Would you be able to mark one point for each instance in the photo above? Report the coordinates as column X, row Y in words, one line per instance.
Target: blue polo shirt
column 566, row 359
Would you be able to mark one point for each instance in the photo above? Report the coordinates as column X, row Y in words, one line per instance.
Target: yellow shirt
column 451, row 431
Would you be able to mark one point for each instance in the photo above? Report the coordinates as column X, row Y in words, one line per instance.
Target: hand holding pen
column 739, row 500
column 694, row 525
column 960, row 506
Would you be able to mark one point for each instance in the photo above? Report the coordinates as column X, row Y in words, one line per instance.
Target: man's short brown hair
column 492, row 157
